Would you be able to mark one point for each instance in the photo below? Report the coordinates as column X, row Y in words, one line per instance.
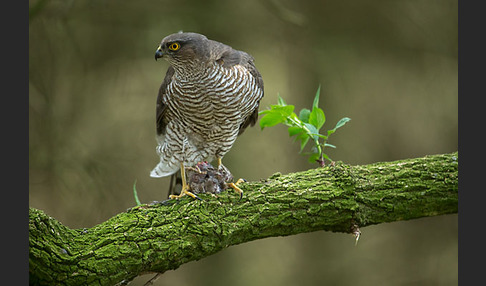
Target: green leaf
column 303, row 142
column 338, row 125
column 314, row 133
column 135, row 195
column 294, row 130
column 313, row 157
column 316, row 98
column 304, row 115
column 264, row 111
column 284, row 110
column 271, row 119
column 342, row 122
column 326, row 157
column 303, row 127
column 312, row 129
column 317, row 117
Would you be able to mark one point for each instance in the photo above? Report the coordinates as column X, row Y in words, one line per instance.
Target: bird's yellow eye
column 174, row 46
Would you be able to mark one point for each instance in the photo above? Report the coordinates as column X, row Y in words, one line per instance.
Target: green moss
column 162, row 237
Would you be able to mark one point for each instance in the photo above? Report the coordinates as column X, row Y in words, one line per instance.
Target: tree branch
column 161, row 237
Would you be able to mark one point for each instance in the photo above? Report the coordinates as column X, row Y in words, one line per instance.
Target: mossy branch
column 161, row 237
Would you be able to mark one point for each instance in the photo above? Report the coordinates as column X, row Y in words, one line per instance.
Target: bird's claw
column 235, row 187
column 183, row 193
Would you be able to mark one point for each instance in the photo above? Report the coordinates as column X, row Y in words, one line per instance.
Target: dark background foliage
column 391, row 66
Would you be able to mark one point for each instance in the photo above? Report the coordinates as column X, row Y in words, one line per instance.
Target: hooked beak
column 159, row 53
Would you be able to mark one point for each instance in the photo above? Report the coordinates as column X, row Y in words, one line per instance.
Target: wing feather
column 161, row 109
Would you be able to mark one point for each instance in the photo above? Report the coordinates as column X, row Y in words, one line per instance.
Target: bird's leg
column 173, row 182
column 185, row 187
column 231, row 185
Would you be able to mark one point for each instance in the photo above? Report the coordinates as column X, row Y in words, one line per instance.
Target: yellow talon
column 236, row 188
column 231, row 185
column 184, row 192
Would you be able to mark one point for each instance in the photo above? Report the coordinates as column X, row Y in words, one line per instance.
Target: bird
column 209, row 96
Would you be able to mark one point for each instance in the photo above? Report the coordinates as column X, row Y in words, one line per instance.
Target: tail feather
column 162, row 171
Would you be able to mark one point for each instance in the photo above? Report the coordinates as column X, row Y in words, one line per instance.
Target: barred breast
column 207, row 112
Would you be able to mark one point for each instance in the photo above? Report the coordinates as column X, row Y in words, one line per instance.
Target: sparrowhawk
column 209, row 96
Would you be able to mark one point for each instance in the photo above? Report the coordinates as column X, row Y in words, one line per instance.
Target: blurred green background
column 391, row 66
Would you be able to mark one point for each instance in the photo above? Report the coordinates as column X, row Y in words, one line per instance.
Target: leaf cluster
column 303, row 127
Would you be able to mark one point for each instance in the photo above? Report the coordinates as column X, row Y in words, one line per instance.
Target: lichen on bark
column 161, row 237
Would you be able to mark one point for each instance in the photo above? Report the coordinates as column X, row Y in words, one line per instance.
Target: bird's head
column 183, row 48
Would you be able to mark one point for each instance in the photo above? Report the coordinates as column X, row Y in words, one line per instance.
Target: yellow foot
column 185, row 187
column 183, row 193
column 236, row 188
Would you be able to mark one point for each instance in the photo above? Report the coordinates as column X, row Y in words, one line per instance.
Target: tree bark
column 161, row 237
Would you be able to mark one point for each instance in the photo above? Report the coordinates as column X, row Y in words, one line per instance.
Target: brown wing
column 160, row 112
column 252, row 119
column 231, row 57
